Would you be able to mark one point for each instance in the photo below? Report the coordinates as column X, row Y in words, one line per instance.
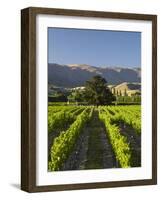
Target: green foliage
column 64, row 143
column 118, row 141
column 57, row 104
column 59, row 117
column 128, row 99
column 77, row 116
column 57, row 97
column 77, row 96
column 130, row 115
column 97, row 92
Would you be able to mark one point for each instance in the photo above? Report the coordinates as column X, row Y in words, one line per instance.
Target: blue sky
column 94, row 47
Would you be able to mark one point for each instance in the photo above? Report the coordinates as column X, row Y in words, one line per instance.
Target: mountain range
column 75, row 75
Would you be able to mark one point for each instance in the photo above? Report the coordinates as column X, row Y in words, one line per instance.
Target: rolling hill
column 76, row 75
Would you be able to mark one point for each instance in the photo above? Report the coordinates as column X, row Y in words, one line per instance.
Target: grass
column 95, row 149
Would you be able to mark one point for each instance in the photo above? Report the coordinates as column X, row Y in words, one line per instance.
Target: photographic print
column 88, row 99
column 94, row 99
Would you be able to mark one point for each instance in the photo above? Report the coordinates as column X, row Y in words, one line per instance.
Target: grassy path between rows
column 99, row 154
column 93, row 149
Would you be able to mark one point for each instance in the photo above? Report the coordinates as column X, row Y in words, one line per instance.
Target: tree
column 117, row 93
column 125, row 92
column 97, row 92
column 120, row 93
column 77, row 95
column 57, row 97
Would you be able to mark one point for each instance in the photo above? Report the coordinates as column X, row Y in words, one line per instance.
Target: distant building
column 126, row 89
column 78, row 88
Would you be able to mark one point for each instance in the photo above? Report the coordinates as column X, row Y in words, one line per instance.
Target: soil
column 92, row 149
column 134, row 141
